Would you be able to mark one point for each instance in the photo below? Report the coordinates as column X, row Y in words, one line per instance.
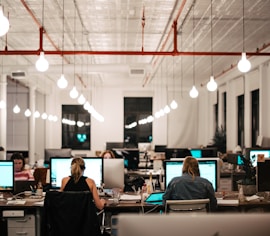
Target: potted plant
column 219, row 139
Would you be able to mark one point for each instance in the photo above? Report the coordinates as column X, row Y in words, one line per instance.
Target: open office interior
column 68, row 70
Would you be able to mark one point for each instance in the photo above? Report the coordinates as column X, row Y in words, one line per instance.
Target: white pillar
column 32, row 124
column 3, row 115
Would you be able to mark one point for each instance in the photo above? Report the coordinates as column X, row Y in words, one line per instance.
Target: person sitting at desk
column 107, row 154
column 190, row 185
column 78, row 182
column 20, row 173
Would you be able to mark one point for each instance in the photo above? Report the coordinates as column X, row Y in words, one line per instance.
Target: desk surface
column 230, row 199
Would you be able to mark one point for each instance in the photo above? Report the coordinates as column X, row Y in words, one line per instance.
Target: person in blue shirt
column 190, row 185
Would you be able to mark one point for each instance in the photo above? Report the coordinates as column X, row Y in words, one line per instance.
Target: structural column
column 32, row 124
column 3, row 115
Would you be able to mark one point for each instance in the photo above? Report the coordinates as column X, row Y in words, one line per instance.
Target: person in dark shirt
column 190, row 185
column 77, row 182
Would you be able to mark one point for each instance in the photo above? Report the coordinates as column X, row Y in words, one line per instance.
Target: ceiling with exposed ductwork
column 124, row 42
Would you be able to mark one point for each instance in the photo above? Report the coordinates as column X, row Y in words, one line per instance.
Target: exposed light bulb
column 244, row 64
column 193, row 92
column 36, row 114
column 86, row 106
column 81, row 99
column 2, row 104
column 27, row 112
column 157, row 114
column 212, row 84
column 174, row 104
column 16, row 109
column 62, row 82
column 167, row 109
column 73, row 93
column 42, row 64
column 4, row 23
column 44, row 116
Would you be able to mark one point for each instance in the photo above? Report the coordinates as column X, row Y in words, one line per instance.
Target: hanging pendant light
column 212, row 84
column 27, row 112
column 73, row 93
column 37, row 114
column 244, row 64
column 4, row 23
column 16, row 108
column 62, row 82
column 42, row 64
column 193, row 93
column 173, row 104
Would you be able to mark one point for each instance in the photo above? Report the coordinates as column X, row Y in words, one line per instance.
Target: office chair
column 70, row 213
column 184, row 206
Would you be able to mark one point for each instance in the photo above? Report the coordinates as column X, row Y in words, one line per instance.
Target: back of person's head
column 108, row 154
column 191, row 166
column 18, row 156
column 77, row 168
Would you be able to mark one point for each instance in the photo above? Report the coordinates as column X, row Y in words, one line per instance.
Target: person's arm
column 63, row 183
column 98, row 202
column 30, row 175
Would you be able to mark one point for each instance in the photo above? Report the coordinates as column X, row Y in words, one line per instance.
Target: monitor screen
column 252, row 154
column 60, row 168
column 263, row 176
column 64, row 152
column 131, row 157
column 6, row 176
column 209, row 169
column 113, row 173
column 176, row 153
column 112, row 145
column 160, row 148
column 209, row 152
column 197, row 153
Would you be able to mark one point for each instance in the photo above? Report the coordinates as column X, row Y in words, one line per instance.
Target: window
column 136, row 109
column 224, row 110
column 241, row 120
column 255, row 96
column 75, row 127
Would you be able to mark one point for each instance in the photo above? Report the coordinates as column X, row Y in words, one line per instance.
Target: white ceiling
column 108, row 38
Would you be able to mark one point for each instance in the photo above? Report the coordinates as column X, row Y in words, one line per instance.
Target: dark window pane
column 75, row 135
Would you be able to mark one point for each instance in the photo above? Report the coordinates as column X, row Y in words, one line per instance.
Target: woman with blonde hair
column 78, row 182
column 190, row 185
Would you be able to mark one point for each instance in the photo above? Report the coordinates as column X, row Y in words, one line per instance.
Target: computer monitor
column 114, row 173
column 209, row 152
column 196, row 152
column 252, row 154
column 236, row 158
column 54, row 152
column 60, row 168
column 263, row 176
column 209, row 169
column 160, row 148
column 6, row 176
column 131, row 157
column 112, row 145
column 176, row 153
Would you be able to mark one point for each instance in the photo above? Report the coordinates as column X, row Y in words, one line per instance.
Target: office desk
column 16, row 210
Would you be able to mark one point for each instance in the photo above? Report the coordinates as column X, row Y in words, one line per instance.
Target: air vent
column 18, row 75
column 137, row 72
